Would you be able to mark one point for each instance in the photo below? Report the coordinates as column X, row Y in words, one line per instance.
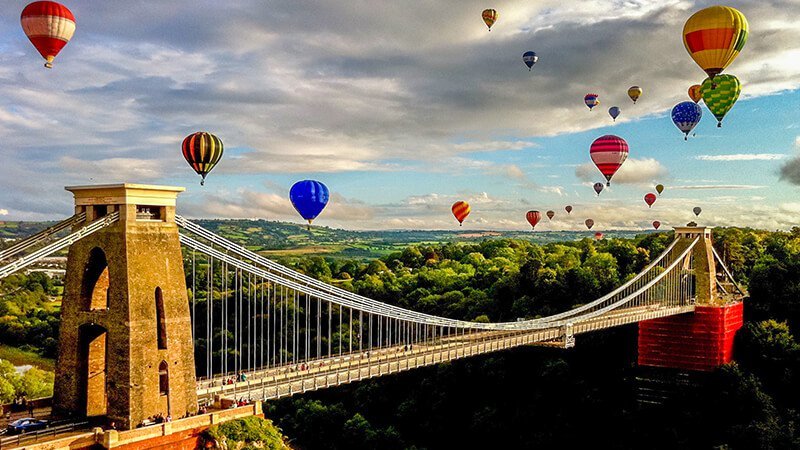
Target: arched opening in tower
column 94, row 292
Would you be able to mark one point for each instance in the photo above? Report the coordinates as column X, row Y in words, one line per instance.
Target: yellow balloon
column 714, row 37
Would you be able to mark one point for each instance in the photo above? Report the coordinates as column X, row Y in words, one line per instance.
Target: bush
column 249, row 430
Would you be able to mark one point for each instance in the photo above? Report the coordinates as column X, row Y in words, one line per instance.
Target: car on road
column 26, row 425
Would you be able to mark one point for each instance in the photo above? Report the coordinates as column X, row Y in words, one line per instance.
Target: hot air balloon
column 309, row 198
column 460, row 210
column 656, row 224
column 697, row 210
column 551, row 214
column 49, row 26
column 589, row 223
column 598, row 188
column 720, row 94
column 489, row 17
column 608, row 153
column 533, row 218
column 685, row 116
column 591, row 100
column 202, row 151
column 714, row 37
column 696, row 93
column 659, row 188
column 650, row 198
column 598, row 236
column 614, row 112
column 634, row 92
column 529, row 58
column 568, row 209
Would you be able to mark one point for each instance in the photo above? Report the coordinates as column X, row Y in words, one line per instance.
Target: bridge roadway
column 288, row 380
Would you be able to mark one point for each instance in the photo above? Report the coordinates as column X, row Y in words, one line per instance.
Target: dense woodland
column 530, row 396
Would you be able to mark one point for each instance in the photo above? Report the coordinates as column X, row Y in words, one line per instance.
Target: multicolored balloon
column 598, row 236
column 533, row 218
column 591, row 100
column 598, row 188
column 696, row 93
column 309, row 198
column 659, row 188
column 634, row 92
column 697, row 210
column 650, row 198
column 656, row 224
column 614, row 112
column 608, row 153
column 685, row 116
column 568, row 209
column 202, row 151
column 489, row 17
column 589, row 223
column 49, row 26
column 530, row 58
column 551, row 214
column 720, row 94
column 714, row 37
column 460, row 210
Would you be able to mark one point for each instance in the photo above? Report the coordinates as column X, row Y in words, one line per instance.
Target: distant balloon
column 568, row 209
column 696, row 92
column 714, row 37
column 598, row 188
column 720, row 94
column 685, row 116
column 529, row 58
column 608, row 153
column 460, row 210
column 614, row 112
column 551, row 214
column 598, row 236
column 650, row 198
column 202, row 151
column 634, row 92
column 49, row 26
column 591, row 100
column 489, row 17
column 309, row 198
column 697, row 210
column 659, row 188
column 656, row 224
column 533, row 218
column 589, row 223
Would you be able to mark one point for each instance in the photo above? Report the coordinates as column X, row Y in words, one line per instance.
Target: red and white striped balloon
column 608, row 153
column 49, row 26
column 533, row 218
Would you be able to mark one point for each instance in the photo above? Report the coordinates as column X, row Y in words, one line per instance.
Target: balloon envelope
column 614, row 112
column 608, row 153
column 697, row 210
column 589, row 223
column 634, row 92
column 686, row 116
column 696, row 92
column 714, row 37
column 650, row 198
column 529, row 58
column 591, row 100
column 551, row 214
column 598, row 236
column 659, row 188
column 656, row 224
column 49, row 26
column 568, row 209
column 489, row 17
column 598, row 188
column 720, row 94
column 460, row 210
column 309, row 198
column 202, row 150
column 533, row 218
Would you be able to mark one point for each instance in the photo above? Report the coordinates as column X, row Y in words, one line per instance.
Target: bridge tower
column 125, row 344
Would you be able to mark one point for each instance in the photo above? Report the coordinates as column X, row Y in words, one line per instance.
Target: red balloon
column 650, row 199
column 533, row 218
column 551, row 214
column 656, row 224
column 608, row 153
column 49, row 26
column 598, row 235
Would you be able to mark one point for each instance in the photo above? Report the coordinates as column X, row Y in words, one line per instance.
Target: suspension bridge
column 141, row 335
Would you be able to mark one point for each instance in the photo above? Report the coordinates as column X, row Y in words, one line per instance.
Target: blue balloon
column 614, row 112
column 309, row 198
column 529, row 58
column 686, row 115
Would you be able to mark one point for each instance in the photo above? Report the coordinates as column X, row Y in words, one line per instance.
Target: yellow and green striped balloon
column 720, row 93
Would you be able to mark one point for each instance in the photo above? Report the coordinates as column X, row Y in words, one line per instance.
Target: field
column 20, row 357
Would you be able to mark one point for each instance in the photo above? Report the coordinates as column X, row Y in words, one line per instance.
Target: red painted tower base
column 701, row 341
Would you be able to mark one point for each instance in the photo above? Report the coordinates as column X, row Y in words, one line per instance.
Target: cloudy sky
column 401, row 108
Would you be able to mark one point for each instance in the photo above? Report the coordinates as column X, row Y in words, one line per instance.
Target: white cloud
column 742, row 157
column 3, row 212
column 632, row 171
column 716, row 186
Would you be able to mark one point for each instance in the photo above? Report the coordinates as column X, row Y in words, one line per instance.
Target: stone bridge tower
column 125, row 344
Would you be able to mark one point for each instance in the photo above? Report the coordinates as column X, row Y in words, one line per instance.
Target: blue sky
column 401, row 110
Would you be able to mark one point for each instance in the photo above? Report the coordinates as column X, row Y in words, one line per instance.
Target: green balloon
column 720, row 93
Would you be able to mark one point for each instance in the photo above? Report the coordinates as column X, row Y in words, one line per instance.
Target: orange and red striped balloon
column 714, row 37
column 533, row 218
column 696, row 93
column 49, row 26
column 460, row 210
